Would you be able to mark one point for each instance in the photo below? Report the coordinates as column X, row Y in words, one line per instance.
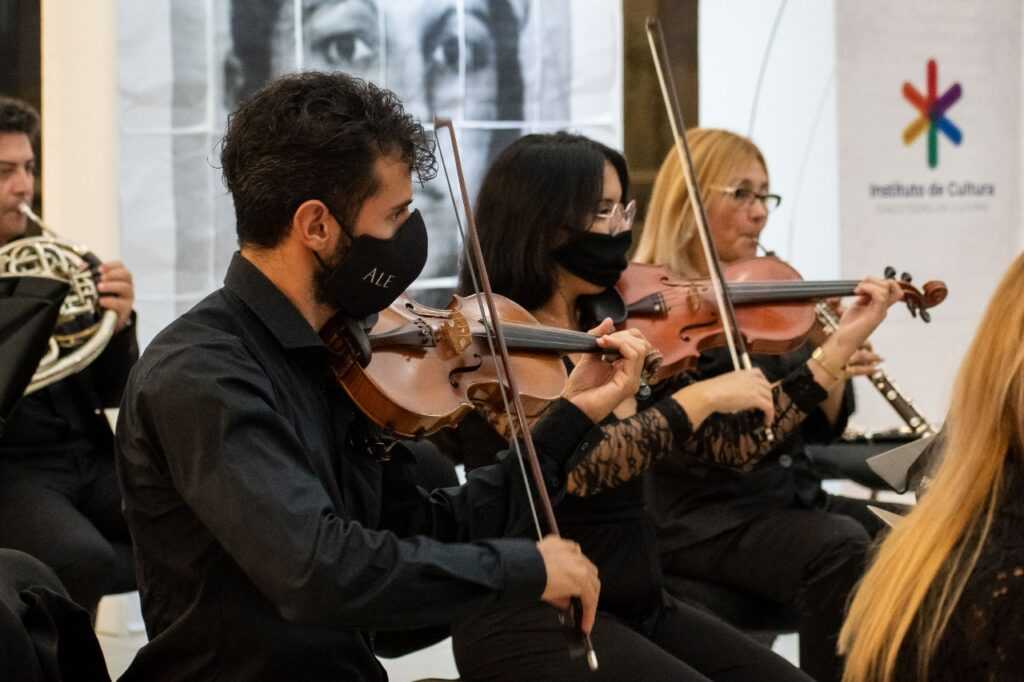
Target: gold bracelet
column 838, row 374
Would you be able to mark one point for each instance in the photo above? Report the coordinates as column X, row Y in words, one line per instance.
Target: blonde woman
column 944, row 597
column 769, row 532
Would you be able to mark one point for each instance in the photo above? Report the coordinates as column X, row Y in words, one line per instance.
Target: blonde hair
column 919, row 572
column 669, row 235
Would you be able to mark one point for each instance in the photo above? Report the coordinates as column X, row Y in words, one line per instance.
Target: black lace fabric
column 990, row 620
column 984, row 640
column 741, row 440
column 628, row 447
column 619, row 450
column 625, row 448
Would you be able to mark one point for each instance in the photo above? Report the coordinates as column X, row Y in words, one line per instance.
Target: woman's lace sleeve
column 619, row 451
column 739, row 440
column 615, row 451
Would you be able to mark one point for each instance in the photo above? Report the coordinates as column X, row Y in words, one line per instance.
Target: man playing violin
column 274, row 530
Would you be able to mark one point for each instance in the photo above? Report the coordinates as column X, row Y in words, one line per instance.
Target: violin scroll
column 918, row 301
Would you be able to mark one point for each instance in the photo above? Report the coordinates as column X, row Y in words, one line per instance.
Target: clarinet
column 904, row 406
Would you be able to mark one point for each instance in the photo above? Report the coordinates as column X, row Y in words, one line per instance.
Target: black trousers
column 678, row 643
column 43, row 636
column 65, row 510
column 809, row 559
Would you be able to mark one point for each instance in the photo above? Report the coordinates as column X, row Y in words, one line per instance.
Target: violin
column 418, row 369
column 774, row 308
column 421, row 369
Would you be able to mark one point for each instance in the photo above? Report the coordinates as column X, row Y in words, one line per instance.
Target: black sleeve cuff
column 803, row 390
column 524, row 575
column 557, row 436
column 678, row 420
column 560, row 430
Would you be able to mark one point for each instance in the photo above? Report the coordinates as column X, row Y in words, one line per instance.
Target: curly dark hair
column 18, row 117
column 313, row 136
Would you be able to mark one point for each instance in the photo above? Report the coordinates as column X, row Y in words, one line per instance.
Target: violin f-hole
column 684, row 332
column 453, row 376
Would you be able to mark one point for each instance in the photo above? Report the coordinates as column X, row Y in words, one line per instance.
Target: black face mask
column 373, row 272
column 597, row 258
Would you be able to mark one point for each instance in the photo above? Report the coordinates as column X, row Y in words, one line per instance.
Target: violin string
column 532, row 342
column 549, row 339
column 774, row 291
column 502, row 382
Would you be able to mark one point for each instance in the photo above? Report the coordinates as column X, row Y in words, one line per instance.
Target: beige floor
column 435, row 661
column 120, row 650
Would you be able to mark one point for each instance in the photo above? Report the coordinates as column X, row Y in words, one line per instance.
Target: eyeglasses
column 619, row 218
column 746, row 197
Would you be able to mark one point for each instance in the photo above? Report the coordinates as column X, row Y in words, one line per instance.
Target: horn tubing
column 77, row 360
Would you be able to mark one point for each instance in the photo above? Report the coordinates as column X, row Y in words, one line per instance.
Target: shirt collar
column 269, row 304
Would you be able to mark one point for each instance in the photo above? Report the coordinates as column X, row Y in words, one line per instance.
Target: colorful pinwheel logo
column 932, row 108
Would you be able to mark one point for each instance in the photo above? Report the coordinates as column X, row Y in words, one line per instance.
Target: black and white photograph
column 498, row 68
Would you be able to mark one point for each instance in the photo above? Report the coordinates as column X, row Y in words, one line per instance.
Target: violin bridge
column 455, row 332
column 694, row 298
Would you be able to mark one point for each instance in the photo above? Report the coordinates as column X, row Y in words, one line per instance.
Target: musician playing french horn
column 59, row 499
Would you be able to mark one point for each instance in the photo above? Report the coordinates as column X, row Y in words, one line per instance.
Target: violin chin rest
column 358, row 335
column 594, row 308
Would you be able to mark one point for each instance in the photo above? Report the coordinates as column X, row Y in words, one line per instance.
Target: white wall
column 794, row 122
column 796, row 126
column 79, row 110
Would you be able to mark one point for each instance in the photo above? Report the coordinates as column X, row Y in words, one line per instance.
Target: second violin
column 775, row 308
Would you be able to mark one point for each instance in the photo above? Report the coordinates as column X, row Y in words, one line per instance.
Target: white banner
column 929, row 167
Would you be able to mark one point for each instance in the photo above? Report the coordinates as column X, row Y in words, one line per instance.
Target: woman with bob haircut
column 554, row 218
column 766, row 531
column 943, row 598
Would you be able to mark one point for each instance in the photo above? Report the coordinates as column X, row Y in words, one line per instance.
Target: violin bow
column 662, row 66
column 579, row 642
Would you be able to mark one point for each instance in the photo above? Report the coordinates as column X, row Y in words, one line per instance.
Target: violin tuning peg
column 905, row 277
column 644, row 392
column 926, row 316
column 889, row 271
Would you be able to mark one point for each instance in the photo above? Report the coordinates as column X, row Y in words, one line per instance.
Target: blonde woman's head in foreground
column 907, row 596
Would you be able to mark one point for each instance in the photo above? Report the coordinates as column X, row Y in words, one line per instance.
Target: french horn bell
column 83, row 328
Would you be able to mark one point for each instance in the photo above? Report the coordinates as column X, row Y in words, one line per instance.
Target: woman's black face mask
column 373, row 272
column 597, row 258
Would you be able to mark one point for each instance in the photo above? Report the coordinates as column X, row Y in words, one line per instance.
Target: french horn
column 83, row 328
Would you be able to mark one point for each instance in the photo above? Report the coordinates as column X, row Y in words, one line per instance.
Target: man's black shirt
column 269, row 540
